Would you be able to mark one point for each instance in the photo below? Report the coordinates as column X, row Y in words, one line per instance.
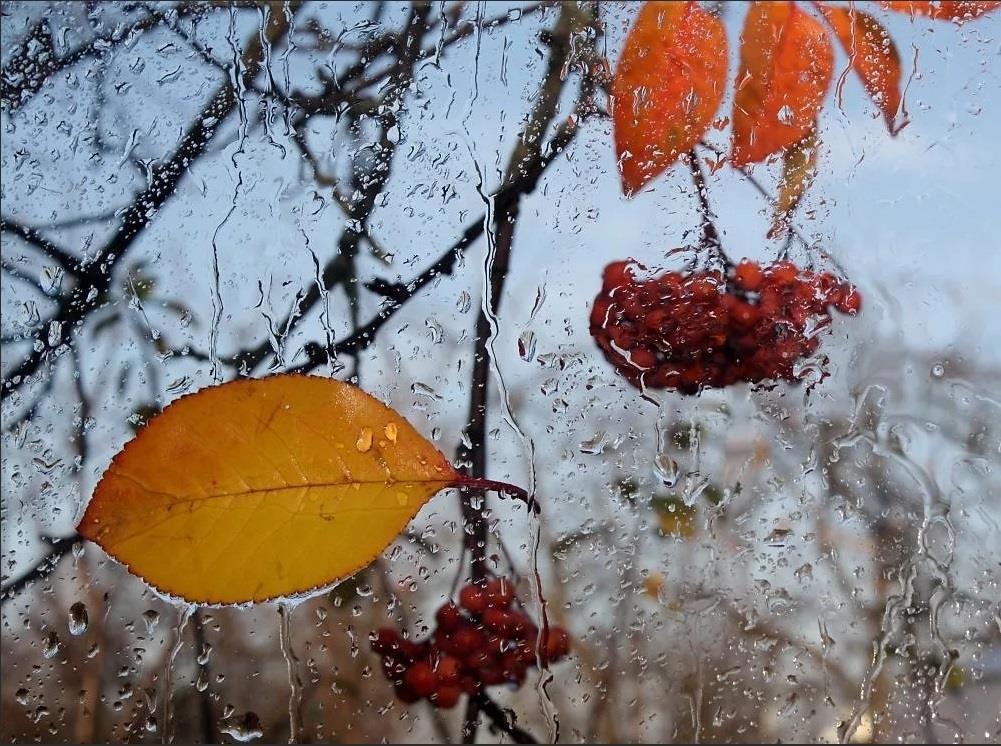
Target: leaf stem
column 511, row 490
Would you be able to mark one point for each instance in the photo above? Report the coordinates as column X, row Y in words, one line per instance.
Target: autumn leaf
column 799, row 167
column 258, row 489
column 786, row 63
column 872, row 54
column 944, row 10
column 667, row 88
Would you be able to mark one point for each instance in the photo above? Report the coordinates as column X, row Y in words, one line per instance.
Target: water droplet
column 21, row 696
column 422, row 389
column 51, row 644
column 150, row 618
column 205, row 654
column 526, row 345
column 666, row 469
column 78, row 619
column 785, row 115
column 937, row 370
column 402, row 498
column 243, row 728
column 391, row 432
column 595, row 445
column 364, row 442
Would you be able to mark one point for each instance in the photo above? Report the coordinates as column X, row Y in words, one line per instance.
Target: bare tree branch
column 91, row 293
column 35, row 62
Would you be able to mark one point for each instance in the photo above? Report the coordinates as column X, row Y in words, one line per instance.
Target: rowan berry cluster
column 710, row 329
column 483, row 641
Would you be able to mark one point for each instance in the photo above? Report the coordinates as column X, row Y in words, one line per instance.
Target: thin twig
column 503, row 720
column 710, row 240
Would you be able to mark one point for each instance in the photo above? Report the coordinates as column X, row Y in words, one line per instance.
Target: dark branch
column 45, row 565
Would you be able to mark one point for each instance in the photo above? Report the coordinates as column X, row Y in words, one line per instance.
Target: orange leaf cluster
column 672, row 73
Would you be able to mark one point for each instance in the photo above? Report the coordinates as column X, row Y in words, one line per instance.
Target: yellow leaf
column 259, row 489
column 799, row 166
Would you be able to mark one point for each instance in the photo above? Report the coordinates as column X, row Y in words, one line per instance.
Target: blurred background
column 194, row 192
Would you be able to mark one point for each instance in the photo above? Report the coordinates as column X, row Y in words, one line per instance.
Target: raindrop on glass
column 78, row 619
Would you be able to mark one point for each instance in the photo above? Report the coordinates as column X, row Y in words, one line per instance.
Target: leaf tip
column 632, row 177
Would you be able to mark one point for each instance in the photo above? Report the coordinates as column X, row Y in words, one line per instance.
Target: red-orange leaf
column 872, row 54
column 786, row 63
column 667, row 87
column 944, row 10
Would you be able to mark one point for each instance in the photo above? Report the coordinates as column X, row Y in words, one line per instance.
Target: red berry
column 409, row 650
column 616, row 275
column 448, row 670
column 557, row 644
column 693, row 331
column 500, row 592
column 470, row 684
column 446, row 696
column 498, row 620
column 522, row 627
column 473, row 598
column 643, row 357
column 599, row 312
column 386, row 641
column 420, row 679
column 525, row 652
column 467, row 639
column 783, row 273
column 477, row 659
column 849, row 300
column 448, row 617
column 747, row 275
column 514, row 668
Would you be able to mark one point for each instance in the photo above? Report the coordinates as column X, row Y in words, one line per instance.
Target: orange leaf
column 259, row 489
column 873, row 54
column 667, row 87
column 786, row 63
column 944, row 10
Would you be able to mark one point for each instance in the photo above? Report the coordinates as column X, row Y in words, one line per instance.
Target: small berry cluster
column 482, row 642
column 710, row 329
